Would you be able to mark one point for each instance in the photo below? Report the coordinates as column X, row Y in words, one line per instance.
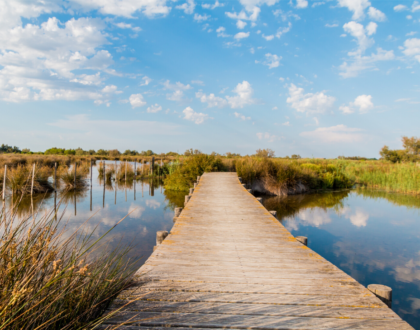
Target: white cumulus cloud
column 362, row 102
column 400, row 7
column 154, row 108
column 244, row 93
column 211, row 100
column 241, row 24
column 178, row 90
column 188, row 7
column 412, row 48
column 301, row 3
column 267, row 136
column 356, row 6
column 137, row 100
column 310, row 103
column 376, row 14
column 241, row 35
column 272, row 60
column 191, row 115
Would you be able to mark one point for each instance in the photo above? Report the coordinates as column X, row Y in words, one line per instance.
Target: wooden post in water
column 187, row 199
column 33, row 178
column 383, row 292
column 195, row 184
column 160, row 236
column 4, row 182
column 135, row 178
column 116, row 169
column 274, row 213
column 55, row 176
column 125, row 171
column 191, row 191
column 152, row 167
column 103, row 199
column 177, row 213
column 55, row 204
column 104, row 174
column 91, row 174
column 91, row 198
column 74, row 181
column 302, row 239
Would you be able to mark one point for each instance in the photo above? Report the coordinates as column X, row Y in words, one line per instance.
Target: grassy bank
column 52, row 282
column 404, row 178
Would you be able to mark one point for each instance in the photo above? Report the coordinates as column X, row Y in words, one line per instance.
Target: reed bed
column 19, row 179
column 125, row 172
column 74, row 181
column 50, row 282
column 287, row 174
column 403, row 177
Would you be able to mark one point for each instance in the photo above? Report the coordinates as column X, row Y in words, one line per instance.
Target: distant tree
column 171, row 153
column 191, row 152
column 4, row 148
column 55, row 151
column 26, row 150
column 265, row 153
column 70, row 152
column 296, row 157
column 91, row 152
column 102, row 152
column 410, row 153
column 149, row 153
column 411, row 145
column 80, row 152
column 114, row 153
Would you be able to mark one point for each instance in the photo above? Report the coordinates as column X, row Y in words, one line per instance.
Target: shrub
column 186, row 174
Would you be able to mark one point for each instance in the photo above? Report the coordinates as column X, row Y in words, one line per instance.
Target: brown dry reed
column 52, row 282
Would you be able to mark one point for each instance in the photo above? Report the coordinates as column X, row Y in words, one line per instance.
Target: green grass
column 403, row 177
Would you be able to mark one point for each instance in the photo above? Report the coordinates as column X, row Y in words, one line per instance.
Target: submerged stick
column 55, row 176
column 75, row 169
column 33, row 178
column 4, row 182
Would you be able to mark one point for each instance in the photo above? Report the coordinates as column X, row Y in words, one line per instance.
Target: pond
column 373, row 236
column 97, row 209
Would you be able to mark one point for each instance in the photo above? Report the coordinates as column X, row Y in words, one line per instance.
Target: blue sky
column 315, row 78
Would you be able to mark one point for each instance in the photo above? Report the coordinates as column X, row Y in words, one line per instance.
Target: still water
column 371, row 235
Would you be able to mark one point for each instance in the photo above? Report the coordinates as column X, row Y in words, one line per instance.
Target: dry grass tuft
column 51, row 282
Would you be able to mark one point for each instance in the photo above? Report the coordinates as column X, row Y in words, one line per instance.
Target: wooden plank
column 253, row 321
column 228, row 263
column 255, row 309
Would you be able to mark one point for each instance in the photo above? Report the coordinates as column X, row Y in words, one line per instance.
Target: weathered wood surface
column 229, row 263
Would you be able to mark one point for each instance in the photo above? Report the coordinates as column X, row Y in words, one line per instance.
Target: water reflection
column 371, row 235
column 104, row 203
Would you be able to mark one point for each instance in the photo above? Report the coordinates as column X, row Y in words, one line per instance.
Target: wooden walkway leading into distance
column 228, row 263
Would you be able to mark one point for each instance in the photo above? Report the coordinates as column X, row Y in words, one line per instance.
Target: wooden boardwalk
column 228, row 263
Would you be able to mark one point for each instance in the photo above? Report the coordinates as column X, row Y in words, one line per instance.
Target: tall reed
column 51, row 282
